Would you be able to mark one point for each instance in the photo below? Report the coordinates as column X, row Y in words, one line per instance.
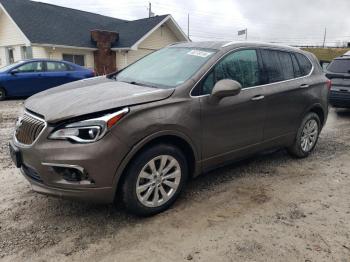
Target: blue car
column 28, row 77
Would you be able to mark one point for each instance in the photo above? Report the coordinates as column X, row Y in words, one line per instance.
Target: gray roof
column 50, row 24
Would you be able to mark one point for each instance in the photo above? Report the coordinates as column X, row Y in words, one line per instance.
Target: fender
column 315, row 105
column 139, row 145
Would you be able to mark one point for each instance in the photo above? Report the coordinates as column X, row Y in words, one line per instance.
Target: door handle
column 304, row 86
column 258, row 97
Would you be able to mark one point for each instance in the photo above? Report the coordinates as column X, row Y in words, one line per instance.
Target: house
column 38, row 30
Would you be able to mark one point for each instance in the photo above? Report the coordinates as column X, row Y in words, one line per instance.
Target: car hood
column 90, row 96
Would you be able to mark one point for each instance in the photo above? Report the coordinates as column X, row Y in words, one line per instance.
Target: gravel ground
column 268, row 208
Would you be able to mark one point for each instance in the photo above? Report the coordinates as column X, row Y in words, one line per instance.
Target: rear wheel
column 307, row 136
column 2, row 94
column 154, row 180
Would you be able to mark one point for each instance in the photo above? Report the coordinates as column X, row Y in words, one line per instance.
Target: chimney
column 105, row 58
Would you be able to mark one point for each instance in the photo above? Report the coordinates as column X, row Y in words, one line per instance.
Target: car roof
column 43, row 60
column 219, row 45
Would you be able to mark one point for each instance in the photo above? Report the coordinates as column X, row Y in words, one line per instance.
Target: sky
column 294, row 22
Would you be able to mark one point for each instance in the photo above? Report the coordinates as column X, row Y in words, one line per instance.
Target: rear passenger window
column 278, row 65
column 304, row 63
column 297, row 71
column 56, row 66
column 241, row 66
column 286, row 65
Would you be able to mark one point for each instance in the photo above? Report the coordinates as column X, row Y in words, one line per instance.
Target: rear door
column 26, row 80
column 286, row 92
column 57, row 73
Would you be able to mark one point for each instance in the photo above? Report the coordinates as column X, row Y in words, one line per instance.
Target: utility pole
column 246, row 34
column 149, row 9
column 188, row 26
column 324, row 37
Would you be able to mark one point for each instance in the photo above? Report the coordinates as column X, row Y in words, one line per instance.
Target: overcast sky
column 285, row 21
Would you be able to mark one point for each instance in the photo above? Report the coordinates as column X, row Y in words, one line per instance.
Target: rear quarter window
column 304, row 64
column 339, row 66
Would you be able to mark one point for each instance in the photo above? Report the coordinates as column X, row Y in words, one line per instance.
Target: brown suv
column 172, row 115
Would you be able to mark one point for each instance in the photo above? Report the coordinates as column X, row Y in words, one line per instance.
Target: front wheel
column 307, row 136
column 154, row 180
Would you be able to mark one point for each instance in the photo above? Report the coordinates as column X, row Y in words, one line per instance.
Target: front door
column 26, row 79
column 233, row 126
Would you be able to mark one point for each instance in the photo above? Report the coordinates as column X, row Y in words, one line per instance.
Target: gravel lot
column 269, row 208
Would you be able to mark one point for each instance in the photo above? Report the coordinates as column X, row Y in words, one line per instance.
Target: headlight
column 90, row 130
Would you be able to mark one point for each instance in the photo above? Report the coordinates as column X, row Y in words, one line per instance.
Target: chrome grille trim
column 28, row 129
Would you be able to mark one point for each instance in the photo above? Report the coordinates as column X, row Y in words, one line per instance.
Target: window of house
column 56, row 66
column 241, row 66
column 26, row 52
column 10, row 55
column 76, row 59
column 31, row 67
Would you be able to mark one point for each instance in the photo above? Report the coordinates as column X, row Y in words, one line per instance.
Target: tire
column 309, row 131
column 2, row 94
column 158, row 189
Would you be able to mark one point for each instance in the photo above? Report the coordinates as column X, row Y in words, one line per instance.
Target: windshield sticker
column 199, row 53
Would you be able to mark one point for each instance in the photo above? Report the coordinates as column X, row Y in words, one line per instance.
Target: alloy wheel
column 309, row 135
column 158, row 181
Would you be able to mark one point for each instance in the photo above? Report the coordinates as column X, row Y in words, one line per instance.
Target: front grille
column 28, row 128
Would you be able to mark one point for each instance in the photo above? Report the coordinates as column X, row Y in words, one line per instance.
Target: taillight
column 329, row 84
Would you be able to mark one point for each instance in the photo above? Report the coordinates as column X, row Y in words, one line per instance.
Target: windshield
column 166, row 68
column 339, row 66
column 5, row 68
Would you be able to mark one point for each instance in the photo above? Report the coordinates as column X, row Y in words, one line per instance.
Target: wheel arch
column 175, row 138
column 319, row 110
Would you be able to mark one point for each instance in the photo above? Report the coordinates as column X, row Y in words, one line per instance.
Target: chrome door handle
column 304, row 86
column 258, row 97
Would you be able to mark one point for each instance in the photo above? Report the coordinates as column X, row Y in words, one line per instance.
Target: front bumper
column 98, row 161
column 339, row 99
column 95, row 195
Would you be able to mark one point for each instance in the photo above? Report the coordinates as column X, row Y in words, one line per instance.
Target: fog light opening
column 70, row 174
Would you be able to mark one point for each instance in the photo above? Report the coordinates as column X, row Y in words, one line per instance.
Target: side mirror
column 14, row 71
column 226, row 87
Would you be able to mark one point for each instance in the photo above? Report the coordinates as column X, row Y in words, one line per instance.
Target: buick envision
column 176, row 113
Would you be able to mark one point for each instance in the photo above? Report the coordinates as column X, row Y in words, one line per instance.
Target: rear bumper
column 339, row 99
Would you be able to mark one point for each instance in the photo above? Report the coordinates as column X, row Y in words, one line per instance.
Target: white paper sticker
column 199, row 53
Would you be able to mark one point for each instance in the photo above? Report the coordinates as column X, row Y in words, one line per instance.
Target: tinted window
column 241, row 66
column 304, row 64
column 286, row 65
column 339, row 66
column 297, row 71
column 56, row 66
column 31, row 67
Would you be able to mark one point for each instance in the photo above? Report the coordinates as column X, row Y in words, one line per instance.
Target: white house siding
column 2, row 57
column 57, row 53
column 160, row 38
column 40, row 52
column 10, row 36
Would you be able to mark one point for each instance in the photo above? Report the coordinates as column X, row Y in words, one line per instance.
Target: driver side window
column 30, row 67
column 241, row 66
